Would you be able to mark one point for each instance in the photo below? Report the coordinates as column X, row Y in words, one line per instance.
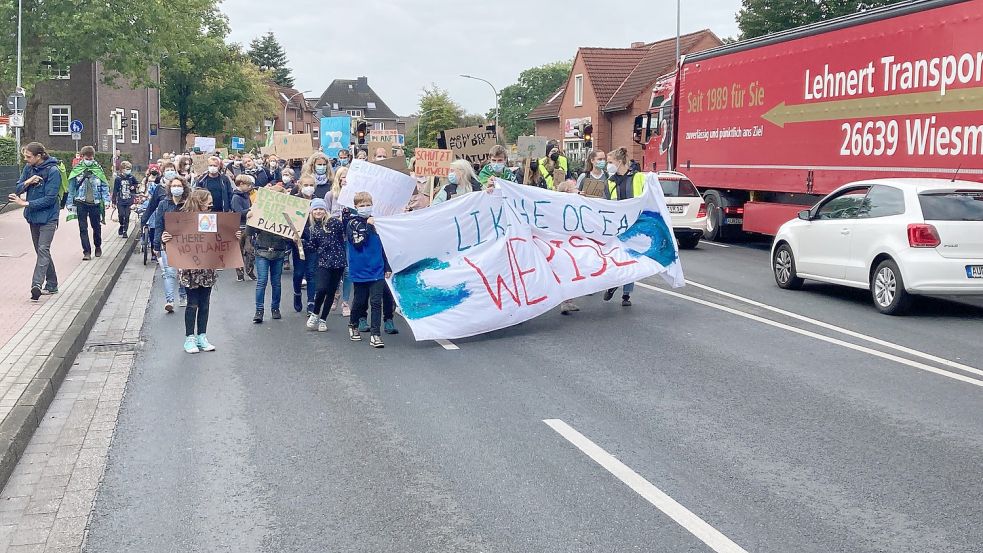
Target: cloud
column 405, row 45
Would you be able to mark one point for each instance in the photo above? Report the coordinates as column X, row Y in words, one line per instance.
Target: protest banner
column 520, row 251
column 294, row 146
column 595, row 188
column 267, row 212
column 199, row 163
column 204, row 144
column 390, row 190
column 470, row 143
column 533, row 147
column 430, row 162
column 336, row 134
column 202, row 240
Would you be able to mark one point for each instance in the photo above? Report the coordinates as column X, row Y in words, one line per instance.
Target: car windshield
column 678, row 189
column 957, row 205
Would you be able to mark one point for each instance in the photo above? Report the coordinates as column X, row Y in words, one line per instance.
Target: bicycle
column 145, row 243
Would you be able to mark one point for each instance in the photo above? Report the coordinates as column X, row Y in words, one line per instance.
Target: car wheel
column 688, row 242
column 783, row 263
column 887, row 289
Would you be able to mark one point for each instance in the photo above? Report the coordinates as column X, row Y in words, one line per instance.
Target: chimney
column 637, row 44
column 362, row 84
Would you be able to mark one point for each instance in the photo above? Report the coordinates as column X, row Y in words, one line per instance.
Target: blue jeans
column 170, row 278
column 268, row 270
column 305, row 269
column 346, row 288
column 627, row 289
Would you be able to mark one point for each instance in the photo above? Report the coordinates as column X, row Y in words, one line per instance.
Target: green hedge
column 8, row 151
column 8, row 155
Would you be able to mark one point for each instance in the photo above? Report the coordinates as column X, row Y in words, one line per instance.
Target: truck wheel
column 783, row 264
column 688, row 242
column 715, row 218
column 887, row 289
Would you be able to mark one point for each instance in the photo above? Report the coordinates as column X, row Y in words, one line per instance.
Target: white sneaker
column 203, row 344
column 346, row 310
column 312, row 321
column 322, row 326
column 182, row 301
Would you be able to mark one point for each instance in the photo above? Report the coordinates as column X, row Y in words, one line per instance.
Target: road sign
column 16, row 102
column 75, row 127
column 76, row 136
column 16, row 120
column 238, row 143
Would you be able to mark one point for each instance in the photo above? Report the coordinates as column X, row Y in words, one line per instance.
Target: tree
column 212, row 86
column 268, row 55
column 535, row 85
column 762, row 17
column 438, row 112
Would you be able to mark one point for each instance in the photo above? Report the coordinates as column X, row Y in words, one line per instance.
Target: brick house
column 356, row 98
column 80, row 93
column 300, row 116
column 607, row 88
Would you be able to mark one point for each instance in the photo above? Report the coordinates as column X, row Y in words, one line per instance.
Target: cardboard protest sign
column 202, row 240
column 294, row 146
column 268, row 209
column 204, row 144
column 595, row 188
column 559, row 175
column 267, row 150
column 430, row 162
column 397, row 163
column 222, row 152
column 390, row 190
column 372, row 146
column 517, row 253
column 199, row 163
column 336, row 134
column 390, row 136
column 470, row 143
column 532, row 146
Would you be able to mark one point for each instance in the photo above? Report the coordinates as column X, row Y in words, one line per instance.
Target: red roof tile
column 550, row 109
column 608, row 67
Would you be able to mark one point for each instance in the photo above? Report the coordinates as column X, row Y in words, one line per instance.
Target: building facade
column 357, row 99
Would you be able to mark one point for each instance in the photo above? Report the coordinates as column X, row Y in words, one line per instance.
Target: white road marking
column 836, row 341
column 683, row 516
column 709, row 243
column 841, row 330
column 447, row 344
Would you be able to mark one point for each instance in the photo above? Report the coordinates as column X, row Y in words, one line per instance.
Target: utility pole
column 20, row 90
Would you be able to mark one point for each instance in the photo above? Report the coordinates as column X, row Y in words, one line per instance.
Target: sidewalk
column 39, row 340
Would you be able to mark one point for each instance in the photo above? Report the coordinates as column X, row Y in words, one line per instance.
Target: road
column 697, row 420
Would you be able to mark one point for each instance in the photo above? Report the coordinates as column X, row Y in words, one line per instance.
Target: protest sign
column 203, row 240
column 294, row 146
column 470, row 143
column 267, row 150
column 397, row 163
column 595, row 188
column 520, row 251
column 532, row 146
column 199, row 163
column 222, row 152
column 204, row 144
column 267, row 212
column 336, row 134
column 389, row 136
column 372, row 146
column 390, row 190
column 559, row 175
column 429, row 162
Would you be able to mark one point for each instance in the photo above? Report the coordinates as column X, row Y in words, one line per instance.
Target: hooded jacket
column 42, row 198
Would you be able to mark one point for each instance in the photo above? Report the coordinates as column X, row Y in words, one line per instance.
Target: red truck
column 767, row 126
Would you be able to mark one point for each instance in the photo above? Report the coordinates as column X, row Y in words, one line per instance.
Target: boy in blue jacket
column 368, row 268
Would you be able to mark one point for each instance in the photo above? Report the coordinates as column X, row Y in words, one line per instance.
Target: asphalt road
column 781, row 434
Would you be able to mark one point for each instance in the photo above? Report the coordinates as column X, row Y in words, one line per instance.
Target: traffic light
column 360, row 132
column 588, row 136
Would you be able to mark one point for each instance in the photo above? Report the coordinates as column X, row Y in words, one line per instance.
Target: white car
column 895, row 237
column 686, row 207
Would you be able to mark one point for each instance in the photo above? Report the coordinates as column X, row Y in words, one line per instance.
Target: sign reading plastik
column 470, row 143
column 518, row 252
column 269, row 208
column 428, row 162
column 203, row 240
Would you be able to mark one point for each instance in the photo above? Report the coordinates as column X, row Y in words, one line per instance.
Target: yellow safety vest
column 637, row 186
column 561, row 163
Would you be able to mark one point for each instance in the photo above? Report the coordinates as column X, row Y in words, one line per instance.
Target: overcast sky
column 404, row 45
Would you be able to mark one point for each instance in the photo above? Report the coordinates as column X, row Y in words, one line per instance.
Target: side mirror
column 805, row 215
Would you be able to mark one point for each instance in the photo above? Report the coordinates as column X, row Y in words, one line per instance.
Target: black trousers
column 199, row 300
column 327, row 281
column 123, row 210
column 368, row 294
column 89, row 214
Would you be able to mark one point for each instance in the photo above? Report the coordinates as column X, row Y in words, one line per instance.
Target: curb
column 18, row 427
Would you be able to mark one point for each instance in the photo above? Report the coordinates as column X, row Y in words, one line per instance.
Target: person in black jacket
column 219, row 185
column 260, row 177
column 125, row 187
column 241, row 205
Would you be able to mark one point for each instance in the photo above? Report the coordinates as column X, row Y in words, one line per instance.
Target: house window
column 578, row 90
column 378, row 126
column 57, row 72
column 121, row 121
column 59, row 119
column 355, row 112
column 315, row 133
column 307, row 128
column 134, row 126
column 574, row 150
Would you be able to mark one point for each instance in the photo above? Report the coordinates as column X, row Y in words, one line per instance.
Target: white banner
column 485, row 261
column 390, row 190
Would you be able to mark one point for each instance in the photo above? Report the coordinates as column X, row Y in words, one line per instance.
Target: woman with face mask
column 288, row 180
column 344, row 158
column 177, row 190
column 273, row 170
column 155, row 194
column 461, row 180
column 334, row 208
column 318, row 167
column 623, row 184
column 553, row 161
column 303, row 269
column 217, row 184
column 594, row 169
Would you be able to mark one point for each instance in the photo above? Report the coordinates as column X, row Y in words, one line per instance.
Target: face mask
column 287, row 179
column 555, row 156
column 177, row 191
column 88, row 162
column 127, row 172
column 274, row 165
column 421, row 180
column 343, row 162
column 320, row 169
column 612, row 169
column 212, row 170
column 170, row 174
column 452, row 177
column 497, row 167
column 601, row 164
column 380, row 158
column 308, row 190
column 237, row 163
column 365, row 211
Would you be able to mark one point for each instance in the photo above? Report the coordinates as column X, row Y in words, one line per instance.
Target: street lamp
column 420, row 120
column 20, row 16
column 496, row 100
column 287, row 104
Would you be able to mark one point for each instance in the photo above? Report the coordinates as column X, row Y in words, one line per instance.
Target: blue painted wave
column 419, row 300
column 652, row 225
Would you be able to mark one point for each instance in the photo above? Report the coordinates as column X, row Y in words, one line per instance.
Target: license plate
column 677, row 209
column 734, row 221
column 974, row 271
